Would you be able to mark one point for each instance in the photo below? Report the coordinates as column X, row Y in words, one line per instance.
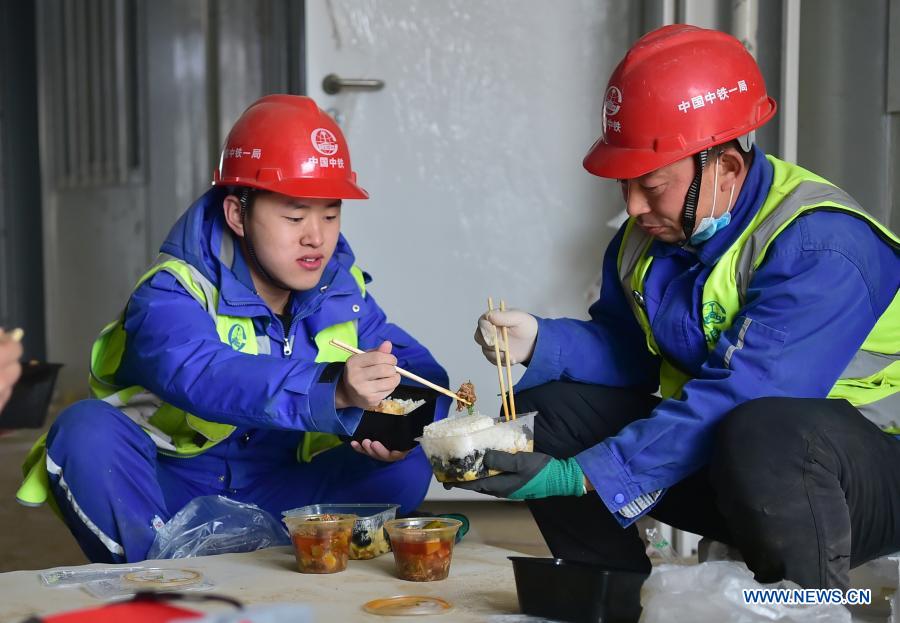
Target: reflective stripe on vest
column 872, row 380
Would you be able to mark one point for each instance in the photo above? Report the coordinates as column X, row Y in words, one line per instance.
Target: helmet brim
column 304, row 188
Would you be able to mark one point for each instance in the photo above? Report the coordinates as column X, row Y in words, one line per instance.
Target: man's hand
column 527, row 476
column 368, row 379
column 377, row 450
column 521, row 326
column 10, row 369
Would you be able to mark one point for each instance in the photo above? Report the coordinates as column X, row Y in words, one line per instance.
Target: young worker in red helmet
column 219, row 377
column 759, row 300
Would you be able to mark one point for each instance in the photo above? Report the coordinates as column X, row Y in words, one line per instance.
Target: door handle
column 334, row 84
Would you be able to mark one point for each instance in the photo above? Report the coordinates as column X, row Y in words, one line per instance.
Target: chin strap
column 244, row 199
column 689, row 216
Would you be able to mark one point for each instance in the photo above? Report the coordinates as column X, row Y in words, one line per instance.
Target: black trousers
column 806, row 489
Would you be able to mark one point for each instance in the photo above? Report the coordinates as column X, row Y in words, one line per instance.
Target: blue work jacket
column 824, row 283
column 173, row 349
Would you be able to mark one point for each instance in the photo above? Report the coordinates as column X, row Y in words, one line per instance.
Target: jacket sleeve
column 789, row 320
column 173, row 350
column 411, row 355
column 609, row 349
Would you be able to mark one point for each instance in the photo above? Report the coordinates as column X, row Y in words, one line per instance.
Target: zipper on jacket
column 288, row 347
column 288, row 342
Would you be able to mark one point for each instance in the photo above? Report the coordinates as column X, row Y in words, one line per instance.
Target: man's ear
column 232, row 209
column 731, row 167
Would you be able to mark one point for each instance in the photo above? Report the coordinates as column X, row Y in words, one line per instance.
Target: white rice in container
column 455, row 446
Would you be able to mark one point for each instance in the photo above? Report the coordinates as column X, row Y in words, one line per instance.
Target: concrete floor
column 33, row 538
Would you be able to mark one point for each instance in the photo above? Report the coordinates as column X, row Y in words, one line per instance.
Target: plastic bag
column 882, row 577
column 712, row 592
column 213, row 524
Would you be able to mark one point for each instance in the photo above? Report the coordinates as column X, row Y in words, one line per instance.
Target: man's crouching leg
column 571, row 418
column 102, row 470
column 809, row 488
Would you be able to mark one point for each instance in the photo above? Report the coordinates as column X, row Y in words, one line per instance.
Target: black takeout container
column 27, row 406
column 577, row 591
column 399, row 432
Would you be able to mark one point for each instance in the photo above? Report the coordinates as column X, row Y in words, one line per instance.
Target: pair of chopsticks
column 402, row 372
column 509, row 408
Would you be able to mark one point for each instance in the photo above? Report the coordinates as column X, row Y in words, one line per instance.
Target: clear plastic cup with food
column 368, row 539
column 423, row 546
column 321, row 541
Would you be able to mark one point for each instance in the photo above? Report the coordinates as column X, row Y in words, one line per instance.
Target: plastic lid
column 408, row 605
column 163, row 578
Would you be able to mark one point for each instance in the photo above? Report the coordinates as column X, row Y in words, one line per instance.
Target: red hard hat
column 288, row 145
column 679, row 90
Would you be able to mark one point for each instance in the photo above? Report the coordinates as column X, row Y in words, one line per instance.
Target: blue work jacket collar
column 202, row 238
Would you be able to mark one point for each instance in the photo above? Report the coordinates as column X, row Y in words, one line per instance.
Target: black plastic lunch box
column 577, row 591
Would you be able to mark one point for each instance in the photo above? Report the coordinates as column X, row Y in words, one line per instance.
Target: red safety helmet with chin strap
column 679, row 91
column 286, row 144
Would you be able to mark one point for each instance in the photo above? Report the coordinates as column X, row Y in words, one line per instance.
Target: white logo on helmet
column 612, row 103
column 324, row 141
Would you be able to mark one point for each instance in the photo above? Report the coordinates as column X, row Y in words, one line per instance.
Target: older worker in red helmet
column 739, row 375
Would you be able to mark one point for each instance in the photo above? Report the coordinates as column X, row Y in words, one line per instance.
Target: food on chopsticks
column 466, row 391
column 455, row 446
column 321, row 541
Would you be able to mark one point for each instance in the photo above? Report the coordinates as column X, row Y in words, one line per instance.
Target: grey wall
column 21, row 265
column 197, row 63
column 184, row 69
column 847, row 134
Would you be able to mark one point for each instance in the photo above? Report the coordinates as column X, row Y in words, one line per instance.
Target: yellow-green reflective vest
column 871, row 382
column 174, row 431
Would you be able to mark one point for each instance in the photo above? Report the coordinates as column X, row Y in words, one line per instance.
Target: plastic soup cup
column 423, row 546
column 321, row 541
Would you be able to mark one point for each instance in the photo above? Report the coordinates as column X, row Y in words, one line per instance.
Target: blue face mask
column 709, row 226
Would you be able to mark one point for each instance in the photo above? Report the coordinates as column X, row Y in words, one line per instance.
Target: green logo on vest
column 713, row 314
column 237, row 337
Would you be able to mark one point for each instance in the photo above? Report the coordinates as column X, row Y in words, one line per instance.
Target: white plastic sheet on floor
column 713, row 592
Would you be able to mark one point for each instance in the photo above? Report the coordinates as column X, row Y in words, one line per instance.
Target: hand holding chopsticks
column 404, row 373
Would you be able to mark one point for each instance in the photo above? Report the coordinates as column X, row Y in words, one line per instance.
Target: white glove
column 522, row 328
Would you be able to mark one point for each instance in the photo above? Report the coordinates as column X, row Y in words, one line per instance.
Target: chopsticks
column 402, row 372
column 512, row 395
column 499, row 364
column 509, row 408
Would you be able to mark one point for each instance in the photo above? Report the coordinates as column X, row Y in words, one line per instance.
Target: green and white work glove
column 527, row 476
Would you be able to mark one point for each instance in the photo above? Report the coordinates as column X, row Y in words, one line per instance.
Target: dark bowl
column 27, row 406
column 398, row 432
column 576, row 591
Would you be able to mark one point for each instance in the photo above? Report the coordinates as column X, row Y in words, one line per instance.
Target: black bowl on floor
column 576, row 591
column 27, row 406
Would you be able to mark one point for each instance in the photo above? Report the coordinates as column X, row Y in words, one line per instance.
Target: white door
column 472, row 156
